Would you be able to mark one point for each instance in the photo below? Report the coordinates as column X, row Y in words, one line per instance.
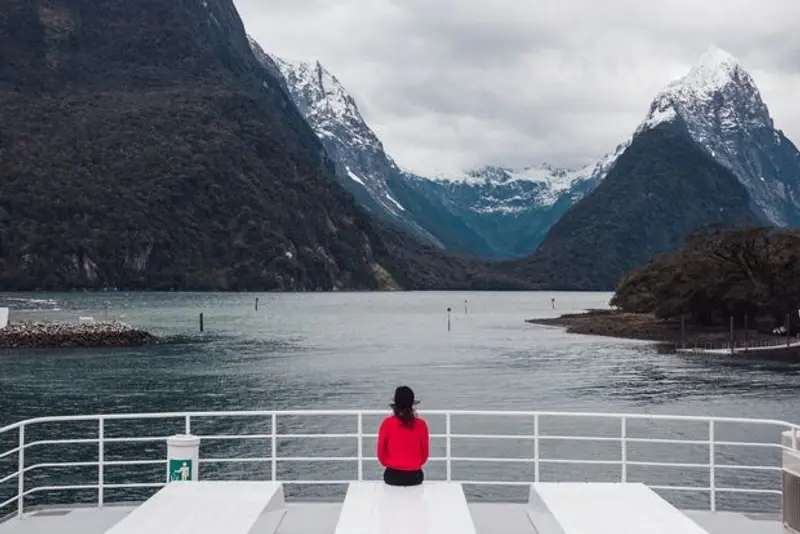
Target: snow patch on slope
column 354, row 176
column 396, row 203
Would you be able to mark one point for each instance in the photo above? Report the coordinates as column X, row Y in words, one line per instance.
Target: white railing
column 536, row 458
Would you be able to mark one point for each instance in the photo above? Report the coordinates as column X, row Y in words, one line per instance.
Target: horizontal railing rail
column 273, row 459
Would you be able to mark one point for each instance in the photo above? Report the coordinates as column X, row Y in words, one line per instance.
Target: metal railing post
column 274, row 438
column 711, row 465
column 448, row 429
column 360, row 446
column 21, row 466
column 536, row 447
column 187, row 424
column 624, row 447
column 100, row 460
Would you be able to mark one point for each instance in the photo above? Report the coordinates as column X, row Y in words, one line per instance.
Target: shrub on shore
column 751, row 272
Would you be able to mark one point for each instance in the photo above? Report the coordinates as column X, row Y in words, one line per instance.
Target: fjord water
column 349, row 350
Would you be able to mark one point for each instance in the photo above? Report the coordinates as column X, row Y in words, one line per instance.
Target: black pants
column 395, row 477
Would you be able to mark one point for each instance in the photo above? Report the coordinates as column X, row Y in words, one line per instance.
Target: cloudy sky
column 453, row 84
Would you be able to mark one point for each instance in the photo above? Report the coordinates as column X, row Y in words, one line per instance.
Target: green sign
column 180, row 469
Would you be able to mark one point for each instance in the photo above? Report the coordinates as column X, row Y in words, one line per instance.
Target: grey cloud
column 458, row 83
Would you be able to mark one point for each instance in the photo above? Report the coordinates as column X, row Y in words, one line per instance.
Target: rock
column 57, row 335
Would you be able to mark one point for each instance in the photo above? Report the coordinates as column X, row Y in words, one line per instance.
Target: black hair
column 403, row 405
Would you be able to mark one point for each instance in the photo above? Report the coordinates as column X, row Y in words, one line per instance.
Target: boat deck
column 321, row 518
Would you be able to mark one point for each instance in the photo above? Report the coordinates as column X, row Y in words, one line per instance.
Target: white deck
column 609, row 508
column 321, row 518
column 376, row 508
column 233, row 507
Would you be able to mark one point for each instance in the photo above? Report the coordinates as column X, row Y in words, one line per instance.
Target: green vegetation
column 144, row 147
column 749, row 272
column 663, row 187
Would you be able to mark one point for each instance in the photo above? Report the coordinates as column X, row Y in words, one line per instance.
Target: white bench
column 604, row 508
column 431, row 508
column 208, row 507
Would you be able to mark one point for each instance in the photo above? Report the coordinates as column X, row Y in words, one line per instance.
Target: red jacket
column 402, row 447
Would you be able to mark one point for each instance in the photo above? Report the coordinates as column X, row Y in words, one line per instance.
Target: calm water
column 350, row 350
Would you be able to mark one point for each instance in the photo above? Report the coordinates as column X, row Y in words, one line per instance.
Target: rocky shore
column 60, row 335
column 647, row 327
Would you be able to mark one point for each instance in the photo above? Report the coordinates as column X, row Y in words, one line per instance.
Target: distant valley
column 492, row 212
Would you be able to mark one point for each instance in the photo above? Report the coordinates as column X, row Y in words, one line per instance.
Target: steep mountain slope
column 722, row 109
column 717, row 109
column 144, row 146
column 493, row 211
column 662, row 187
column 362, row 165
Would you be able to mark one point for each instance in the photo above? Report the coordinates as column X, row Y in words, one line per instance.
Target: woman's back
column 403, row 446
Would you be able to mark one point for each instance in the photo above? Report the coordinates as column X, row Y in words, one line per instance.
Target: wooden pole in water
column 106, row 313
column 788, row 335
column 448, row 319
column 683, row 330
column 201, row 321
column 256, row 303
column 746, row 341
column 732, row 334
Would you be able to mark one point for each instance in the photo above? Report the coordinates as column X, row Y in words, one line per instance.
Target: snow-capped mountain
column 492, row 211
column 508, row 190
column 721, row 108
column 362, row 165
column 513, row 209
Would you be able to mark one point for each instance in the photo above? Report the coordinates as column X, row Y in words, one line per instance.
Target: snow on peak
column 717, row 89
column 315, row 88
column 715, row 69
column 717, row 59
column 721, row 109
column 326, row 105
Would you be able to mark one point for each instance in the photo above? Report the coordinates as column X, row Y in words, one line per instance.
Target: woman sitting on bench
column 403, row 441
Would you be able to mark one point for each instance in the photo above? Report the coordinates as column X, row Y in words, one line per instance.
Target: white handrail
column 536, row 458
column 477, row 413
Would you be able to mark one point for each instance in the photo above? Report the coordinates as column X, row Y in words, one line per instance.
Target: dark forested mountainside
column 663, row 187
column 143, row 146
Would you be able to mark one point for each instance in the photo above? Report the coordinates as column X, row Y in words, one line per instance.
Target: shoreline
column 111, row 334
column 646, row 327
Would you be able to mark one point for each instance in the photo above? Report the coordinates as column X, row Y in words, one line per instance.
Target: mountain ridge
column 714, row 111
column 716, row 104
column 722, row 108
column 663, row 187
column 357, row 153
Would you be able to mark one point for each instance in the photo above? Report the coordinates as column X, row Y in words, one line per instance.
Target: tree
column 719, row 273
